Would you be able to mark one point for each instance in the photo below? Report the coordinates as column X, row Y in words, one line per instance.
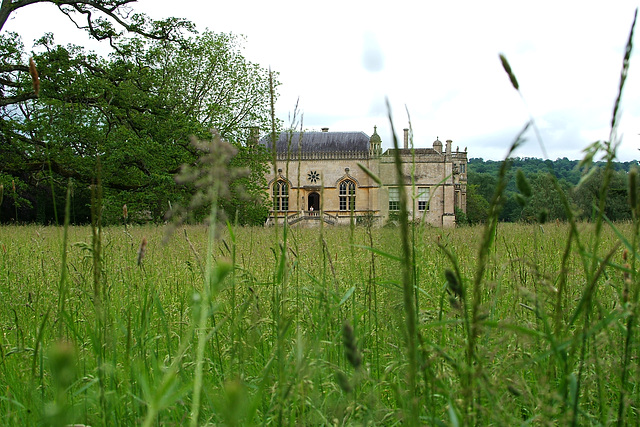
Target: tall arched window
column 280, row 196
column 347, row 195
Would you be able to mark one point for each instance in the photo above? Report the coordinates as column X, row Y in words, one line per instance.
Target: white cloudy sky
column 438, row 60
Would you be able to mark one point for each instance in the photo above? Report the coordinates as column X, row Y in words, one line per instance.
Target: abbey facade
column 318, row 177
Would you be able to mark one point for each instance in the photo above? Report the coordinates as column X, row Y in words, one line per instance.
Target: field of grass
column 309, row 326
column 500, row 324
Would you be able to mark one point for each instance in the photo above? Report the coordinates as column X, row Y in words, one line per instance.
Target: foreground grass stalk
column 630, row 296
column 414, row 263
column 274, row 151
column 99, row 289
column 15, row 199
column 596, row 264
column 372, row 296
column 407, row 286
column 205, row 303
column 474, row 367
column 211, row 176
column 62, row 286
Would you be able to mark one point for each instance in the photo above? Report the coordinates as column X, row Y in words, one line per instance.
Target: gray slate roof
column 335, row 142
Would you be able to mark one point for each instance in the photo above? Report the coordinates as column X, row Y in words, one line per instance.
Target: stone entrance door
column 313, row 202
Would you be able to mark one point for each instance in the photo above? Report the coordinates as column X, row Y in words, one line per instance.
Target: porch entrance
column 313, row 202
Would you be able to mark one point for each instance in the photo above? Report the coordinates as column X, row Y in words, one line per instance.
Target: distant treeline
column 545, row 203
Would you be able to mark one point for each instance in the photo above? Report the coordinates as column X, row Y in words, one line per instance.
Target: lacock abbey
column 317, row 178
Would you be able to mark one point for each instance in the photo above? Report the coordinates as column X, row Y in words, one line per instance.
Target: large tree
column 21, row 148
column 129, row 116
column 102, row 19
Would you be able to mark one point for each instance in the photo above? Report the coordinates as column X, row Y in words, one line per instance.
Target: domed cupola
column 437, row 145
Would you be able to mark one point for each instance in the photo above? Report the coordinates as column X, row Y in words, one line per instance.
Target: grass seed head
column 142, row 250
column 523, row 184
column 350, row 346
column 453, row 282
column 507, row 68
column 626, row 278
column 35, row 79
column 343, row 382
column 212, row 176
column 514, row 390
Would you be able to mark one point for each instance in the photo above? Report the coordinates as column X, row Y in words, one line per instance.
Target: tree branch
column 9, row 68
column 9, row 100
column 9, row 6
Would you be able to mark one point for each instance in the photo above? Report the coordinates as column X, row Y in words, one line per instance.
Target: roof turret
column 437, row 145
column 375, row 137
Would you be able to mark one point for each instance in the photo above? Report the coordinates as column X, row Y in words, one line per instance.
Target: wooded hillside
column 581, row 189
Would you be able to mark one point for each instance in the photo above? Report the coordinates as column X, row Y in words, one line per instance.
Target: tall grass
column 149, row 360
column 500, row 324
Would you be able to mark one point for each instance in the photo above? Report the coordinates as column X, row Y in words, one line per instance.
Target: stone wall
column 329, row 174
column 443, row 172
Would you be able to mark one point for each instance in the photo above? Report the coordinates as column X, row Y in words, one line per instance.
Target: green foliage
column 544, row 198
column 581, row 190
column 249, row 202
column 477, row 205
column 461, row 217
column 523, row 184
column 134, row 111
column 587, row 194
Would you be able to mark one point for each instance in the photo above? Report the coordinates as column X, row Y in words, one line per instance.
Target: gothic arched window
column 347, row 195
column 280, row 196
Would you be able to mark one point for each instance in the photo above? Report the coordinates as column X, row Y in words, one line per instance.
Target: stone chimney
column 448, row 146
column 325, row 129
column 406, row 138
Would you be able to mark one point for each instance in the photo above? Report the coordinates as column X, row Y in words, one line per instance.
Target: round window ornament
column 313, row 177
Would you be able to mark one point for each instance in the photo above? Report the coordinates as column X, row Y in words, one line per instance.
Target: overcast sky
column 436, row 60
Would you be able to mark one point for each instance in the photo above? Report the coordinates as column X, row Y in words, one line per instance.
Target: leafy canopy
column 129, row 115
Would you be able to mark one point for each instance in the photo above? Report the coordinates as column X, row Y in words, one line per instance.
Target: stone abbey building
column 318, row 178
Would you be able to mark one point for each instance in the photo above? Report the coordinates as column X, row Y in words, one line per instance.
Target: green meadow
column 536, row 325
column 498, row 324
